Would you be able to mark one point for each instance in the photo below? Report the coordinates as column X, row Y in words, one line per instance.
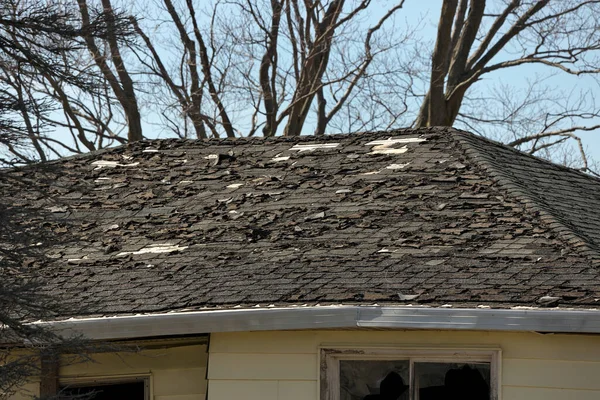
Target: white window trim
column 96, row 380
column 330, row 356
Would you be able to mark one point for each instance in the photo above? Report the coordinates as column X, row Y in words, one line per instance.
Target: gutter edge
column 329, row 317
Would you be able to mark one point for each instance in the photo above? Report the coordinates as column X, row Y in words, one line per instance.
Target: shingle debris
column 458, row 220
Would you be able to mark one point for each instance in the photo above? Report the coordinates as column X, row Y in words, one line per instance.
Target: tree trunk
column 436, row 110
column 124, row 90
column 313, row 70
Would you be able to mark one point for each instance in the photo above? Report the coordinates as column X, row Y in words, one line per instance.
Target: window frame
column 330, row 357
column 101, row 380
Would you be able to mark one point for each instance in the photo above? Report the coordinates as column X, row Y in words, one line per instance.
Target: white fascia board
column 573, row 321
column 331, row 317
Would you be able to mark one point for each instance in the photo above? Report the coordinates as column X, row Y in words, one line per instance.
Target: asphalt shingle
column 431, row 216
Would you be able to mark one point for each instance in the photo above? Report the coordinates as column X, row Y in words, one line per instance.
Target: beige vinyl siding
column 176, row 373
column 27, row 391
column 284, row 365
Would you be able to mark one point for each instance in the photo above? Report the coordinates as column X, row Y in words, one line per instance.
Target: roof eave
column 331, row 317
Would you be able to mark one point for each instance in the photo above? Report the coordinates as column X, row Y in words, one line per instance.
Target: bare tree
column 195, row 53
column 46, row 84
column 37, row 41
column 247, row 67
column 475, row 39
column 121, row 83
column 292, row 67
column 259, row 66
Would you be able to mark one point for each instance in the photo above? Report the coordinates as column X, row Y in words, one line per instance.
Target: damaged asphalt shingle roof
column 431, row 216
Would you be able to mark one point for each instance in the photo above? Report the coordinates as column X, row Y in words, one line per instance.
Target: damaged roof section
column 431, row 216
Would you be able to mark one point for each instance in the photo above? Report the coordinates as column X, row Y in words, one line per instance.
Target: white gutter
column 331, row 317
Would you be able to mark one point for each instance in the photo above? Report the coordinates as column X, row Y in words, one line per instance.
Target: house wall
column 284, row 365
column 177, row 372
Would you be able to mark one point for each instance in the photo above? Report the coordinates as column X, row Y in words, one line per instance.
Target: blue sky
column 426, row 15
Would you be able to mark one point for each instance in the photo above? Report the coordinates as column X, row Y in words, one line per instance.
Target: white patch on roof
column 235, row 185
column 102, row 180
column 397, row 166
column 111, row 227
column 371, row 172
column 57, row 209
column 104, row 163
column 111, row 164
column 385, row 146
column 407, row 297
column 211, row 157
column 155, row 249
column 279, row 157
column 75, row 260
column 150, row 150
column 386, row 149
column 394, row 141
column 548, row 299
column 314, row 146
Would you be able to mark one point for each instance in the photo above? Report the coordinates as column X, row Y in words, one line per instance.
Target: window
column 409, row 374
column 107, row 389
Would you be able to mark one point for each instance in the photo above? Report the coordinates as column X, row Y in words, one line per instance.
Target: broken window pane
column 374, row 380
column 115, row 391
column 450, row 381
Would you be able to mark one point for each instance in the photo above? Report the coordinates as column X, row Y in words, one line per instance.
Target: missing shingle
column 397, row 166
column 315, row 146
column 155, row 249
column 386, row 146
column 279, row 158
column 102, row 180
column 111, row 164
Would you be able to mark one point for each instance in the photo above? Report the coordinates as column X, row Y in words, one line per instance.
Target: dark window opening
column 447, row 381
column 106, row 391
column 374, row 380
column 393, row 380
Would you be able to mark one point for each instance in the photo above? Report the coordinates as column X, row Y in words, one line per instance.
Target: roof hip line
column 508, row 183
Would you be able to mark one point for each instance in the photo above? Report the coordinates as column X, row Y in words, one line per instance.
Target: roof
column 430, row 217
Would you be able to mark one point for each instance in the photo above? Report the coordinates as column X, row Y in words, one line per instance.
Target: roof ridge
column 243, row 140
column 506, row 181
